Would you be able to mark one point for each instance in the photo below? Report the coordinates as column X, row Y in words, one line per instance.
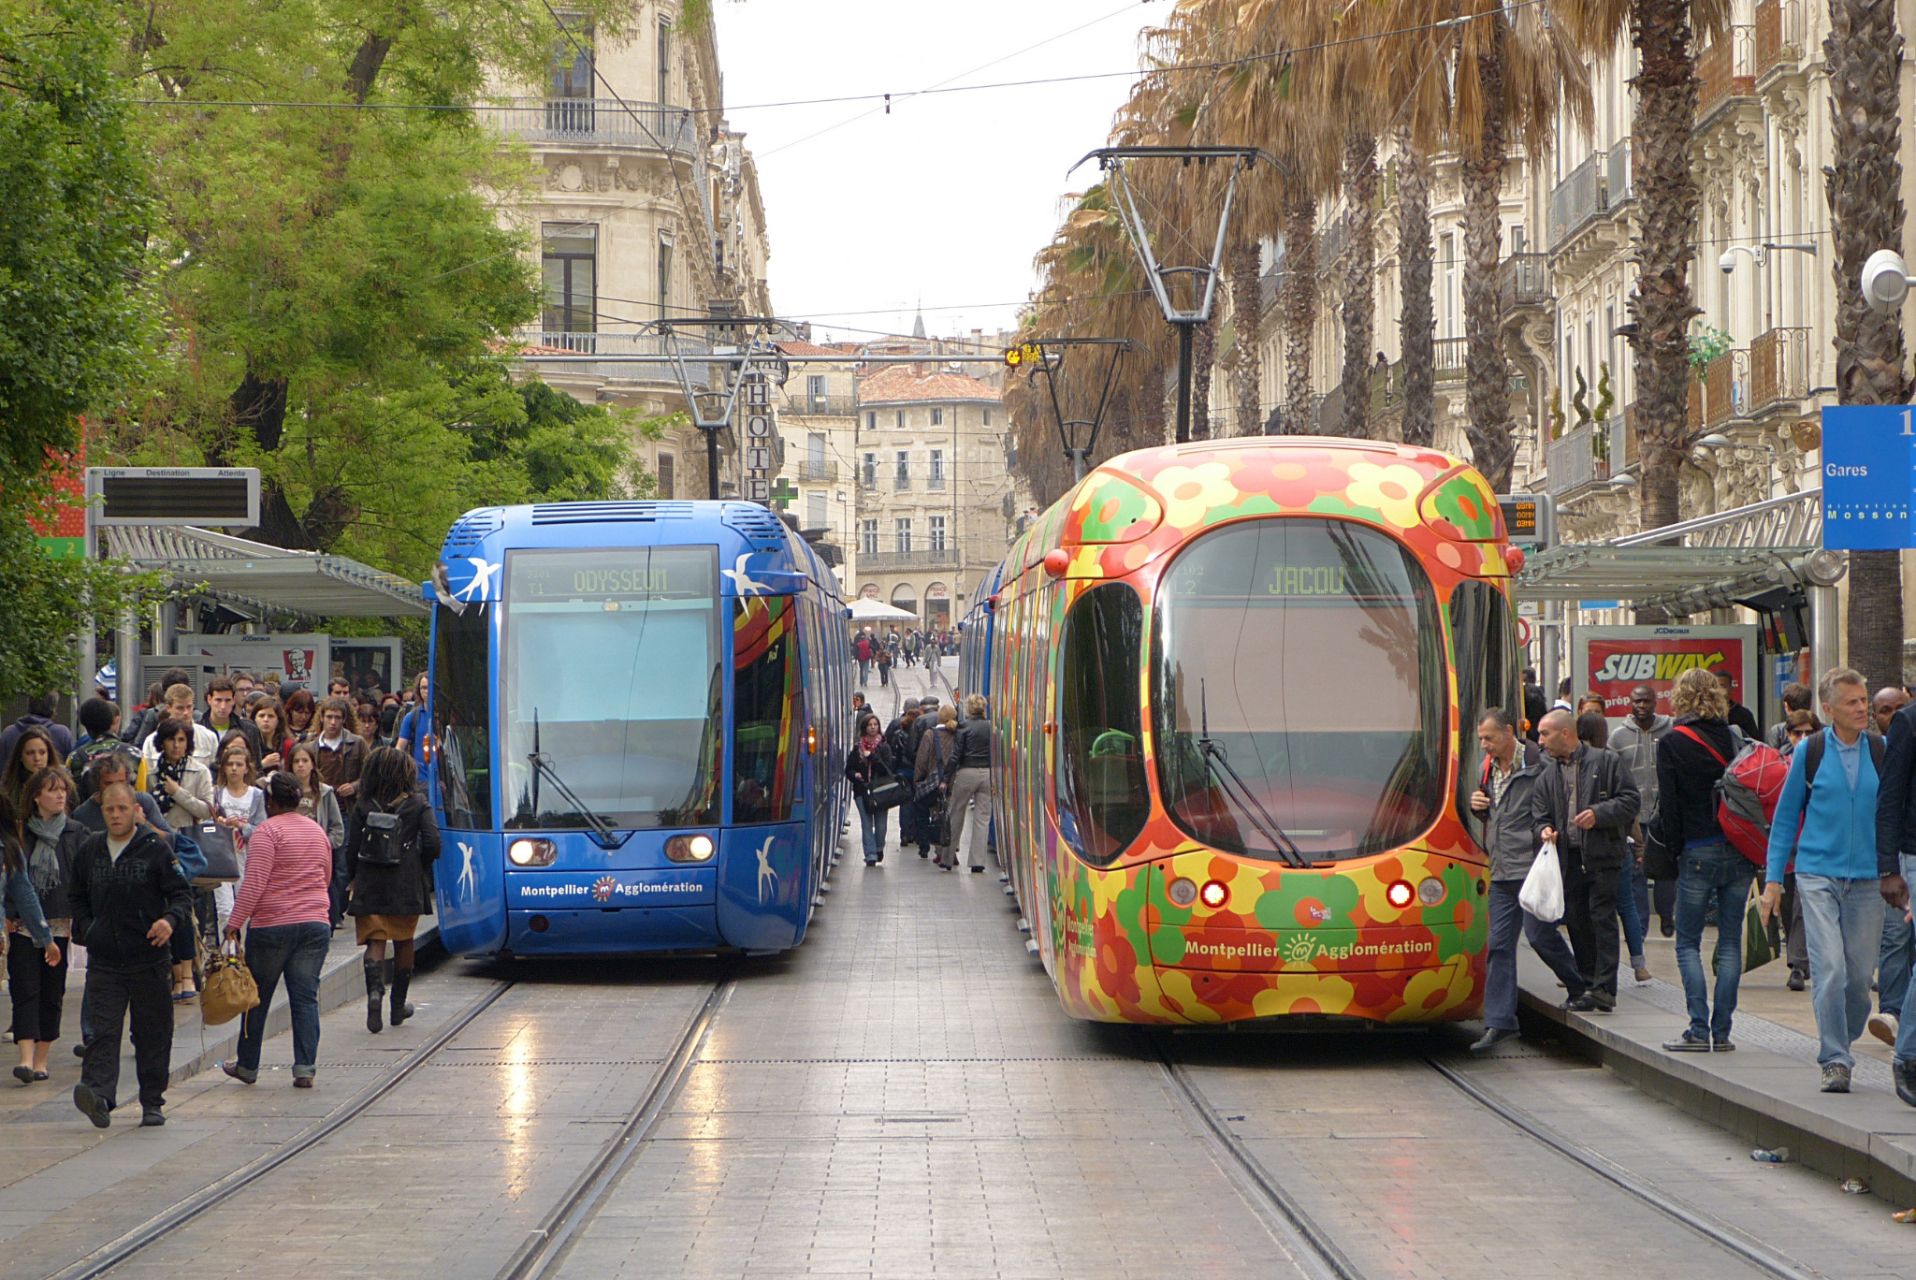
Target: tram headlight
column 532, row 853
column 1214, row 894
column 1430, row 891
column 698, row 848
column 1182, row 891
column 1399, row 894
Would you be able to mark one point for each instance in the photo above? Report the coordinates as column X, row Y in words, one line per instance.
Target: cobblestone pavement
column 902, row 1097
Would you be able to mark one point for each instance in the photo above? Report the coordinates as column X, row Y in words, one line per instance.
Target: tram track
column 1724, row 1236
column 157, row 1228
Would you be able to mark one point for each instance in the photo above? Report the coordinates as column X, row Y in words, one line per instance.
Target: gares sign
column 1611, row 661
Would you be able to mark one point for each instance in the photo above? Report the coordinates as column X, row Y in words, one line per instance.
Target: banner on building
column 1611, row 661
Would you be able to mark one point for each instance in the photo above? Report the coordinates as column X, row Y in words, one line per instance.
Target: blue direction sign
column 1869, row 475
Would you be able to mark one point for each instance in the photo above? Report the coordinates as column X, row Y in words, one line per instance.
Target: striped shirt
column 289, row 864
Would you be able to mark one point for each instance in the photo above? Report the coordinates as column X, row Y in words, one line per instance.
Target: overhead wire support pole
column 712, row 410
column 1046, row 357
column 1197, row 282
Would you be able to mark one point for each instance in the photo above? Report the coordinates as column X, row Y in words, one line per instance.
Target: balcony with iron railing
column 807, row 405
column 1779, row 37
column 1578, row 199
column 905, row 561
column 1726, row 387
column 1523, row 280
column 1619, row 186
column 594, row 122
column 1725, row 71
column 1332, row 241
column 825, row 472
column 1584, row 455
column 1452, row 358
column 1779, row 368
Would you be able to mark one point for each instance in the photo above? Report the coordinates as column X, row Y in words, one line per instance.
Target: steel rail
column 545, row 1248
column 1728, row 1238
column 163, row 1224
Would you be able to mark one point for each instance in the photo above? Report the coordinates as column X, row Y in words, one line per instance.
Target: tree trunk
column 1246, row 310
column 1865, row 55
column 1663, row 304
column 1299, row 291
column 1203, row 359
column 1487, row 378
column 1416, row 323
column 1360, row 270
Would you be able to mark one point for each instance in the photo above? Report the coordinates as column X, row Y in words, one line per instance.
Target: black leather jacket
column 974, row 744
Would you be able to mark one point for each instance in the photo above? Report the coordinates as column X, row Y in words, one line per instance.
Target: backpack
column 380, row 844
column 1747, row 793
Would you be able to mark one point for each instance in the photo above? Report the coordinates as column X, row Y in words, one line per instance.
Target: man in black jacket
column 1586, row 801
column 1896, row 861
column 128, row 898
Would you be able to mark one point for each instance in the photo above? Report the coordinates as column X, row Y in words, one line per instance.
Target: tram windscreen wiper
column 1232, row 784
column 603, row 833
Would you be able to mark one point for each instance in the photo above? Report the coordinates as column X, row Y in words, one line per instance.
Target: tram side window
column 462, row 711
column 1485, row 651
column 1102, row 802
column 765, row 710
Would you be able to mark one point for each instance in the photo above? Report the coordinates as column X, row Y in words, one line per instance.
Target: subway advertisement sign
column 1611, row 661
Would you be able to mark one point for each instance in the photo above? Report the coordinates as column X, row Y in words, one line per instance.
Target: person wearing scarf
column 38, row 974
column 868, row 763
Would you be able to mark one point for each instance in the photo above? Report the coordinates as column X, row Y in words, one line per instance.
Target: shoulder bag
column 219, row 854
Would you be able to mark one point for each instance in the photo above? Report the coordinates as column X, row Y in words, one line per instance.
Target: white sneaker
column 1884, row 1027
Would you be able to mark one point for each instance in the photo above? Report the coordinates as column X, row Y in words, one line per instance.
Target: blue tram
column 637, row 729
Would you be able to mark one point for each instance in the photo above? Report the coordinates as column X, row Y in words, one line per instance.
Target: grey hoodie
column 1638, row 747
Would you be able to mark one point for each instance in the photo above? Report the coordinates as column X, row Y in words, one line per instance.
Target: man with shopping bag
column 1586, row 802
column 1502, row 805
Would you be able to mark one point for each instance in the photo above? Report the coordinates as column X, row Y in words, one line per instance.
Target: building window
column 568, row 257
column 815, row 517
column 935, row 474
column 901, row 477
column 668, row 475
column 901, row 535
column 665, row 60
column 937, row 417
column 815, row 454
column 868, row 537
column 664, row 271
column 984, row 419
column 569, row 86
column 901, row 419
column 815, row 391
column 869, row 478
column 871, row 422
column 937, row 533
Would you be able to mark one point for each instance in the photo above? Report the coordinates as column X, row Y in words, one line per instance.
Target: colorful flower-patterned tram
column 1235, row 687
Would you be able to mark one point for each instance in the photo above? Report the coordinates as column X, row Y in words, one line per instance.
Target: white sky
column 946, row 199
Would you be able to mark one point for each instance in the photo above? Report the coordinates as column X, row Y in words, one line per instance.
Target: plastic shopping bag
column 1542, row 892
column 1759, row 948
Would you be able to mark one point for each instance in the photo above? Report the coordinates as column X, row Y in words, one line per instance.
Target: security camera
column 1885, row 280
column 1727, row 263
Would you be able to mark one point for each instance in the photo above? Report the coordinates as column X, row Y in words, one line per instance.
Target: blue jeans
column 296, row 952
column 1500, row 959
column 1630, row 907
column 1711, row 874
column 1906, row 1030
column 1843, row 926
column 1894, row 957
column 872, row 822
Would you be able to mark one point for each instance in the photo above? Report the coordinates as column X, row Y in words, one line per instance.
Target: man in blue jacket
column 1826, row 818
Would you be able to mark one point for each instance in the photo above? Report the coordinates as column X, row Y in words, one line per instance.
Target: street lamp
column 1885, row 280
column 1184, row 292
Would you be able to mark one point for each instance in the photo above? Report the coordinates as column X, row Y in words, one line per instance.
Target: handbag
column 1659, row 860
column 1759, row 947
column 228, row 989
column 1542, row 892
column 219, row 854
column 934, row 786
column 887, row 794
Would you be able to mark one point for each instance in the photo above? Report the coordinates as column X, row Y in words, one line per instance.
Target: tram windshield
column 1298, row 691
column 610, row 687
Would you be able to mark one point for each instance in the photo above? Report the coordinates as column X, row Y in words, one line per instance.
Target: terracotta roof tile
column 901, row 383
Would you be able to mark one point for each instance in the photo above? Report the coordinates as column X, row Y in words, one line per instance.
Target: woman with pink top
column 283, row 897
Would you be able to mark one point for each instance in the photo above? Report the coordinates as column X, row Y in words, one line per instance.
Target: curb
column 1749, row 1094
column 340, row 984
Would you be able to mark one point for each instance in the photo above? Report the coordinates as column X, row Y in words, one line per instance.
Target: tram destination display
column 667, row 573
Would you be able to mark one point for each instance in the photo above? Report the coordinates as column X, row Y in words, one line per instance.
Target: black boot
column 375, row 992
column 402, row 978
column 1905, row 1075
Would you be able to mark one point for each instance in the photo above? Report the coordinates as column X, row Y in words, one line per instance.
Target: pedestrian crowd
column 250, row 823
column 883, row 653
column 1642, row 818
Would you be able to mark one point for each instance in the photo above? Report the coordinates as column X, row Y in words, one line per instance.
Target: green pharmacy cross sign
column 782, row 493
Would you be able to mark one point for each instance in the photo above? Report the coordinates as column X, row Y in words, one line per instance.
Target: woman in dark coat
column 391, row 844
column 866, row 764
column 37, row 849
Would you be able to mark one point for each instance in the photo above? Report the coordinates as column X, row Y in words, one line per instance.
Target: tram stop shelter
column 1767, row 557
column 253, row 579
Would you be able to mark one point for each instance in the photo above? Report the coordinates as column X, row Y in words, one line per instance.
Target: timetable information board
column 1869, row 473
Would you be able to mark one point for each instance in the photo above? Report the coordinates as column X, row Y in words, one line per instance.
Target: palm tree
column 1865, row 55
column 1663, row 302
column 1247, row 310
column 1360, row 272
column 1416, row 320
